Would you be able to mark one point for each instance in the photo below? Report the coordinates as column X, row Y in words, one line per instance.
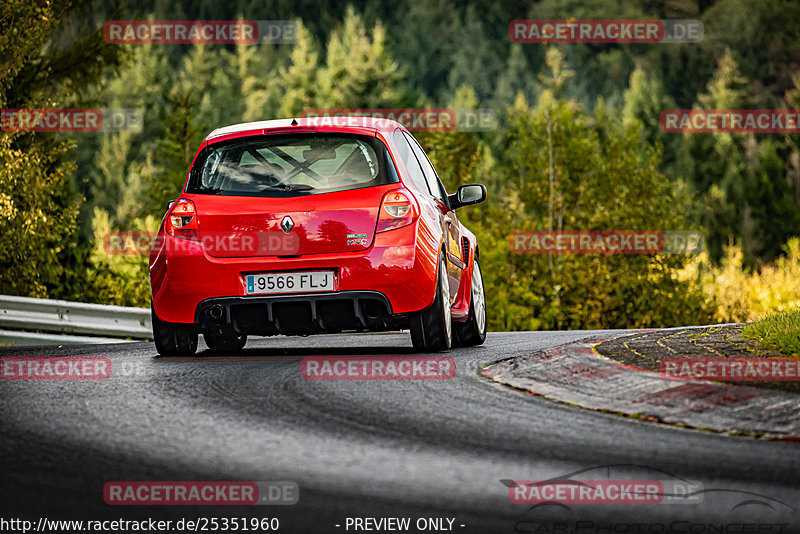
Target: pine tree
column 516, row 79
column 741, row 176
column 475, row 60
column 298, row 81
column 38, row 206
column 260, row 88
column 564, row 168
column 211, row 74
column 643, row 101
column 359, row 70
column 165, row 171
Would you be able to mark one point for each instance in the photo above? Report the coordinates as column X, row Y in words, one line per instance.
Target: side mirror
column 170, row 203
column 466, row 195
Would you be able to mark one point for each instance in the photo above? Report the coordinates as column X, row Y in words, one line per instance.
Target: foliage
column 38, row 213
column 780, row 331
column 117, row 279
column 578, row 146
column 567, row 169
column 38, row 207
column 740, row 177
column 358, row 71
column 742, row 294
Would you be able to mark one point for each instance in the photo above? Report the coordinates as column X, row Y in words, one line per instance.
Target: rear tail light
column 182, row 220
column 397, row 210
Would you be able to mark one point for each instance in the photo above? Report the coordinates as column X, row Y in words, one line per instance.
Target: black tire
column 225, row 342
column 173, row 339
column 473, row 331
column 431, row 329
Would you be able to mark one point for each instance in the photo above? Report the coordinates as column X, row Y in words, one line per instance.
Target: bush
column 742, row 295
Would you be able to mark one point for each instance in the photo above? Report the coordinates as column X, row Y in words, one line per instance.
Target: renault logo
column 287, row 224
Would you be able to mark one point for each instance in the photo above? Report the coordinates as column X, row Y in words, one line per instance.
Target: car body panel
column 320, row 225
column 400, row 264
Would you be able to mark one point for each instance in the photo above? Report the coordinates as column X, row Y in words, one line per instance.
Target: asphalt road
column 366, row 449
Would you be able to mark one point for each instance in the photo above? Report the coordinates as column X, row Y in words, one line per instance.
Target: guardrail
column 63, row 317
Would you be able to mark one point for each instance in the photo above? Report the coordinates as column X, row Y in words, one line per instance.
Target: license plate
column 304, row 282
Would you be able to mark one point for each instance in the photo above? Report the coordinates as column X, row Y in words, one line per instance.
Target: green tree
column 38, row 206
column 741, row 177
column 111, row 163
column 38, row 213
column 298, row 80
column 118, row 279
column 564, row 168
column 763, row 36
column 212, row 75
column 516, row 79
column 260, row 91
column 359, row 70
column 643, row 101
column 166, row 170
column 475, row 53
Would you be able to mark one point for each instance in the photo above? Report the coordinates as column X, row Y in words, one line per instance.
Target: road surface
column 422, row 450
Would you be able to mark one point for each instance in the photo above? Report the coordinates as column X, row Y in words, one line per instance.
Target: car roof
column 357, row 123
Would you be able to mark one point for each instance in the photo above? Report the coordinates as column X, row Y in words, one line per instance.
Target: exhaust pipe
column 216, row 311
column 374, row 310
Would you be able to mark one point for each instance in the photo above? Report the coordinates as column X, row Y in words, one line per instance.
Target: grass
column 780, row 332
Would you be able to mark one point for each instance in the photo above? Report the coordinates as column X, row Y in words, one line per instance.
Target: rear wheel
column 225, row 342
column 431, row 329
column 173, row 339
column 473, row 332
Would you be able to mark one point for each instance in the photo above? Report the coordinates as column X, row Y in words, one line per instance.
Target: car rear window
column 290, row 165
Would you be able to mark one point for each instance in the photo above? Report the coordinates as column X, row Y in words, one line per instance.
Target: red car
column 310, row 226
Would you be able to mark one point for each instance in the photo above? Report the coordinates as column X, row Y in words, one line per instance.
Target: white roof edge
column 278, row 123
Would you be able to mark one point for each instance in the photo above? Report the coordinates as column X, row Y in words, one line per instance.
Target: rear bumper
column 403, row 274
column 311, row 313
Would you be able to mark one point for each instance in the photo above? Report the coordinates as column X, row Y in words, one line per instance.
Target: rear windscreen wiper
column 209, row 191
column 287, row 188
